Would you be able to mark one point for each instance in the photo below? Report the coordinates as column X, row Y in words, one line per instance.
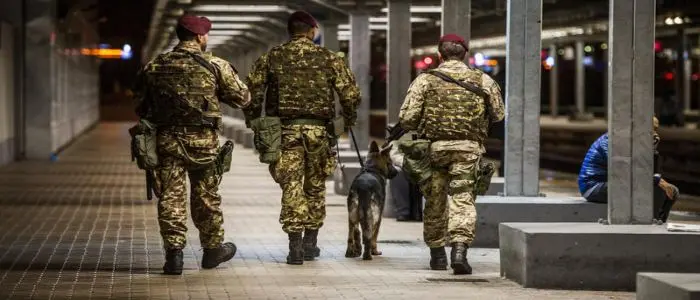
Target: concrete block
column 668, row 286
column 592, row 256
column 493, row 210
column 496, row 186
column 343, row 179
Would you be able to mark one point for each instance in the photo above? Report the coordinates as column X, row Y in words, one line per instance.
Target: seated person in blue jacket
column 593, row 177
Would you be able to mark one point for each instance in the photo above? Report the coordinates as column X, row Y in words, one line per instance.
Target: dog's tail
column 364, row 198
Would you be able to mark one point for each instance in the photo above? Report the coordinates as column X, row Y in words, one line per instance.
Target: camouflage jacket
column 297, row 80
column 174, row 89
column 425, row 89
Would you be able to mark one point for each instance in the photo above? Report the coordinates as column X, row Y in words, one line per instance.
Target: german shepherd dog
column 366, row 202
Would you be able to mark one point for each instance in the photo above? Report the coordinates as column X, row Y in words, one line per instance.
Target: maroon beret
column 197, row 25
column 455, row 39
column 302, row 16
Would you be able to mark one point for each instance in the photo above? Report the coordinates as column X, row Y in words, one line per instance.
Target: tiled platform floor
column 81, row 228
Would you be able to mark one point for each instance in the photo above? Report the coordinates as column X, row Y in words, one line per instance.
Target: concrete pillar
column 398, row 57
column 687, row 74
column 554, row 82
column 456, row 18
column 580, row 80
column 329, row 36
column 680, row 82
column 359, row 64
column 522, row 148
column 631, row 84
column 38, row 64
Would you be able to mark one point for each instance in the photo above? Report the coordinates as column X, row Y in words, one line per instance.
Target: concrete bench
column 668, row 286
column 496, row 187
column 493, row 210
column 342, row 180
column 592, row 256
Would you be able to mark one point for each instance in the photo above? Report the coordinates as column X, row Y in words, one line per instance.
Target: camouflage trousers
column 301, row 171
column 450, row 195
column 171, row 188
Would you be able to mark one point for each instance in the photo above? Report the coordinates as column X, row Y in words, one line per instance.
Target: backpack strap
column 204, row 63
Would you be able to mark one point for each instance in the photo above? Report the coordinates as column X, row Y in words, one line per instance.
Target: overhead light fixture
column 240, row 8
column 668, row 21
column 420, row 9
column 386, row 19
column 678, row 20
column 231, row 26
column 225, row 32
column 371, row 27
column 237, row 18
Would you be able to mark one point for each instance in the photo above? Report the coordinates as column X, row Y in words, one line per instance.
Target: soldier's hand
column 668, row 189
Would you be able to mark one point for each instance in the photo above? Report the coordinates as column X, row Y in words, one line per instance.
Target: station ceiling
column 243, row 24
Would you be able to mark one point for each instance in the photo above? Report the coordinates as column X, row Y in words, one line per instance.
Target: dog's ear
column 373, row 147
column 386, row 149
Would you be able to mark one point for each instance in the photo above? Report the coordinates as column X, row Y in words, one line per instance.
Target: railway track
column 563, row 150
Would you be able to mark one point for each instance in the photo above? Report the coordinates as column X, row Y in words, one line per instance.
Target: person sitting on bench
column 593, row 177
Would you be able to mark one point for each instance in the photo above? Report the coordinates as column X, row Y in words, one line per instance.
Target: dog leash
column 357, row 150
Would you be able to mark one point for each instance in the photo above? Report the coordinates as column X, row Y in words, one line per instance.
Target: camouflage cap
column 304, row 17
column 195, row 24
column 454, row 39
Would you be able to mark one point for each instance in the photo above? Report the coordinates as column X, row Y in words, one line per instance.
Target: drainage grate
column 465, row 279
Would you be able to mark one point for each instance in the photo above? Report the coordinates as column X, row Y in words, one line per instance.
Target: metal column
column 456, row 18
column 359, row 63
column 580, row 80
column 522, row 140
column 631, row 84
column 398, row 57
column 554, row 82
column 329, row 36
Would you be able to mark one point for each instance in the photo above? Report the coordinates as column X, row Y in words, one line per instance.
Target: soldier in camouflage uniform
column 297, row 80
column 181, row 91
column 455, row 121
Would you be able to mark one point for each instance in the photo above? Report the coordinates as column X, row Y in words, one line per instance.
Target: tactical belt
column 188, row 128
column 314, row 122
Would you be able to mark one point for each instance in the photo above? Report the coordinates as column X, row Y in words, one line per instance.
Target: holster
column 483, row 178
column 267, row 138
column 223, row 159
column 416, row 160
column 335, row 128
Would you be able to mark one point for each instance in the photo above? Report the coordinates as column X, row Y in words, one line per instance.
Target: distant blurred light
column 588, row 49
column 428, row 60
column 695, row 76
column 657, row 46
column 678, row 20
column 549, row 61
column 103, row 46
column 668, row 76
column 604, row 46
column 127, row 55
column 569, row 53
column 479, row 59
column 668, row 21
column 127, row 48
column 420, row 64
column 421, row 9
column 587, row 61
column 560, row 51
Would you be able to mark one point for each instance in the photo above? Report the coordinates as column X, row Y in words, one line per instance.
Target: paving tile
column 81, row 228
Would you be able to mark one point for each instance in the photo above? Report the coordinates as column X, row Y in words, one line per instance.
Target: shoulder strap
column 204, row 63
column 466, row 85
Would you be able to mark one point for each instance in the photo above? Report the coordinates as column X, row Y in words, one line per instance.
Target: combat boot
column 438, row 258
column 311, row 251
column 173, row 262
column 213, row 257
column 460, row 265
column 296, row 249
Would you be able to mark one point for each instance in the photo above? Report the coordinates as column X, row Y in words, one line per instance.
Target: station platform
column 81, row 228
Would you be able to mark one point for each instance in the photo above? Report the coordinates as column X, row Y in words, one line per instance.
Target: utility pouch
column 416, row 160
column 484, row 175
column 267, row 138
column 144, row 139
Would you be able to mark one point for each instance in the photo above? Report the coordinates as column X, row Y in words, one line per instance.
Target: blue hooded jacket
column 594, row 168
